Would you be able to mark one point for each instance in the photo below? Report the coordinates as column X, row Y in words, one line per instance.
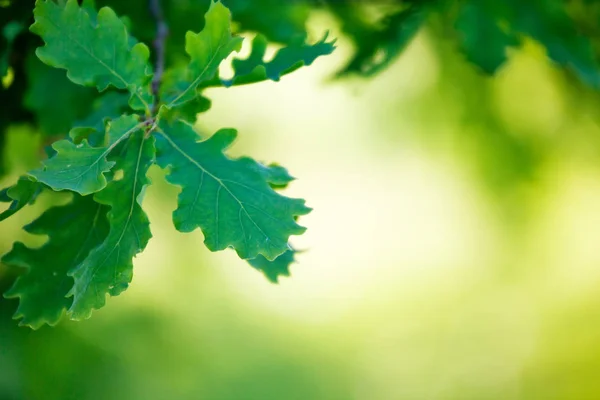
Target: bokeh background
column 452, row 252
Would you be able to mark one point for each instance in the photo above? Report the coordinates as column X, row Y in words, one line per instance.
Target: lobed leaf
column 108, row 269
column 286, row 60
column 81, row 167
column 96, row 50
column 73, row 231
column 275, row 268
column 24, row 192
column 229, row 199
column 207, row 50
column 549, row 24
column 378, row 44
column 483, row 40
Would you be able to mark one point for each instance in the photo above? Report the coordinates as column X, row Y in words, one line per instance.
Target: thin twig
column 162, row 31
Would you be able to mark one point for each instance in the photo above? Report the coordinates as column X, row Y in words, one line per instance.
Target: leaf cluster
column 83, row 74
column 129, row 125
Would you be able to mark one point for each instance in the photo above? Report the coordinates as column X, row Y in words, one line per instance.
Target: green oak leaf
column 484, row 41
column 189, row 110
column 24, row 192
column 109, row 268
column 96, row 50
column 229, row 199
column 378, row 44
column 73, row 231
column 277, row 176
column 550, row 24
column 80, row 167
column 207, row 50
column 275, row 268
column 286, row 60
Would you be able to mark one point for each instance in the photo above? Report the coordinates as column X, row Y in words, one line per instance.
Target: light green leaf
column 276, row 268
column 229, row 199
column 207, row 50
column 80, row 167
column 73, row 230
column 96, row 50
column 109, row 268
column 19, row 195
column 286, row 60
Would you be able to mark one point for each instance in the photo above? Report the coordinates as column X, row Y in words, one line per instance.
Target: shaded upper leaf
column 108, row 269
column 55, row 101
column 378, row 44
column 24, row 192
column 484, row 41
column 80, row 167
column 548, row 22
column 229, row 199
column 286, row 60
column 73, row 230
column 109, row 106
column 207, row 50
column 94, row 49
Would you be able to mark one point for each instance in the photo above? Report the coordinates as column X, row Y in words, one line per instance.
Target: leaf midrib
column 93, row 56
column 217, row 179
column 125, row 226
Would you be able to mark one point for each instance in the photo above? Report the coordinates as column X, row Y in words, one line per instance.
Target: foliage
column 104, row 160
column 84, row 74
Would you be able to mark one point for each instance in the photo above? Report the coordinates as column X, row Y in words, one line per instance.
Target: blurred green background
column 452, row 252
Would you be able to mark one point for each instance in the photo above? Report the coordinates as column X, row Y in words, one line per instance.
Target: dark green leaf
column 73, row 231
column 484, row 41
column 380, row 43
column 55, row 101
column 107, row 107
column 19, row 195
